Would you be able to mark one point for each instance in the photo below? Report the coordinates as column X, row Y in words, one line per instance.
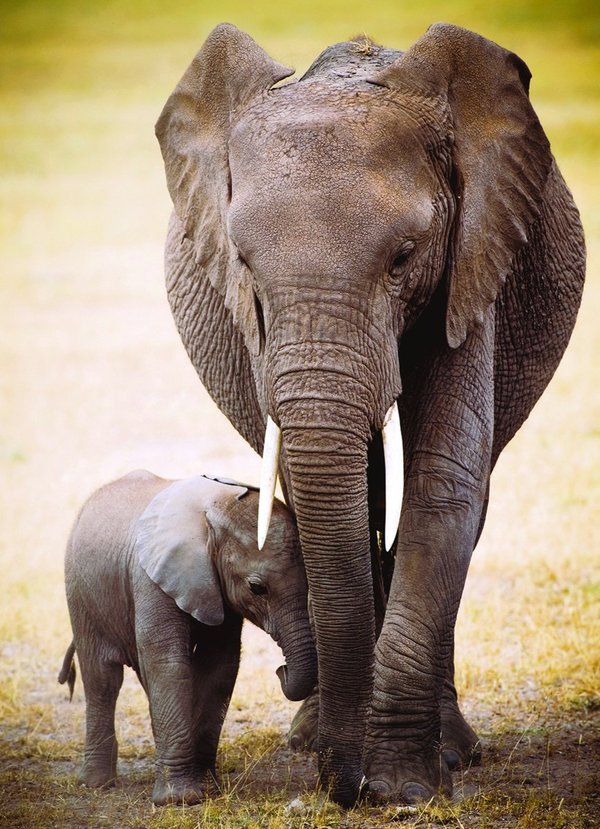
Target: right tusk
column 268, row 478
column 393, row 455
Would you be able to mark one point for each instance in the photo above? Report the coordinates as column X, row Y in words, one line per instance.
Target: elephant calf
column 159, row 576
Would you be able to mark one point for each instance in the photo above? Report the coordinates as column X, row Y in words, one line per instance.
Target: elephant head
column 317, row 225
column 197, row 541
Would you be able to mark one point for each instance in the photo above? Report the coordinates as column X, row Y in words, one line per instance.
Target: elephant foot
column 407, row 783
column 304, row 730
column 97, row 778
column 343, row 780
column 461, row 747
column 171, row 788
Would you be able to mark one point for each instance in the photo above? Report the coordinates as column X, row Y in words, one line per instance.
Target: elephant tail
column 68, row 672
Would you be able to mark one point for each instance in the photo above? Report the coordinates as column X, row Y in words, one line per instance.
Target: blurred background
column 94, row 381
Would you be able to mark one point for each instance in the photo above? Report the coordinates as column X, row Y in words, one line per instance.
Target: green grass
column 94, row 382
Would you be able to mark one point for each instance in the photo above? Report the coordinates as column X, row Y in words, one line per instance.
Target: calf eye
column 402, row 254
column 257, row 585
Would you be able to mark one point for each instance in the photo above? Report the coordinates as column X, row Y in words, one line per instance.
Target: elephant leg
column 214, row 665
column 403, row 758
column 163, row 639
column 102, row 682
column 170, row 693
column 449, row 453
column 461, row 747
column 189, row 681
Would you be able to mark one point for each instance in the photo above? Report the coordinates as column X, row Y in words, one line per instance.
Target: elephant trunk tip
column 295, row 689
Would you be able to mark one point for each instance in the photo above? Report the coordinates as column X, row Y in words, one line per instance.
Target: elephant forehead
column 351, row 137
column 340, row 178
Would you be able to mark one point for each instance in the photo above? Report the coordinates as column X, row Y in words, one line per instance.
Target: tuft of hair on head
column 363, row 45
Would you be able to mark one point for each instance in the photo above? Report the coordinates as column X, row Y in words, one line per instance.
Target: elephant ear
column 501, row 154
column 175, row 547
column 229, row 71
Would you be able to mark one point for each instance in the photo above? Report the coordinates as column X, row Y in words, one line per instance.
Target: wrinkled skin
column 159, row 576
column 392, row 226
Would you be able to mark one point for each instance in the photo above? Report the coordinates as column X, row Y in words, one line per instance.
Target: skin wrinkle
column 337, row 321
column 289, row 352
column 310, row 464
column 342, row 509
column 308, row 397
column 344, row 378
column 471, row 481
column 308, row 413
column 289, row 357
column 332, row 508
column 331, row 370
column 414, row 657
column 336, row 424
column 411, row 694
column 220, row 377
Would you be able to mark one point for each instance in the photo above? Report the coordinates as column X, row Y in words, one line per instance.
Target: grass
column 94, row 382
column 502, row 794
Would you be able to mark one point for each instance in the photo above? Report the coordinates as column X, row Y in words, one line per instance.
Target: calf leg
column 215, row 662
column 102, row 682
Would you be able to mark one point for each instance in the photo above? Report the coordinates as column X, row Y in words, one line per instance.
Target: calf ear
column 173, row 545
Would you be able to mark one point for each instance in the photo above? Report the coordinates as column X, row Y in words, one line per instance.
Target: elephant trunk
column 298, row 676
column 327, row 470
column 327, row 393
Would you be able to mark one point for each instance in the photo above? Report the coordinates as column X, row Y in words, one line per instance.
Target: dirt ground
column 540, row 768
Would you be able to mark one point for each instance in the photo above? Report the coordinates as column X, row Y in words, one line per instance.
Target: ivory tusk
column 393, row 455
column 268, row 479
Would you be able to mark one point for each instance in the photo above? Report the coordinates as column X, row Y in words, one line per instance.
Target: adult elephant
column 390, row 229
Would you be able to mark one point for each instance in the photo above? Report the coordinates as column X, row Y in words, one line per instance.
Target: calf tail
column 68, row 672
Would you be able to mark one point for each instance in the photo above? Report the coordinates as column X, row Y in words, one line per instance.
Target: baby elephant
column 159, row 575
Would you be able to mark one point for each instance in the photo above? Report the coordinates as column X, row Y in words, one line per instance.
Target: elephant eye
column 401, row 256
column 256, row 585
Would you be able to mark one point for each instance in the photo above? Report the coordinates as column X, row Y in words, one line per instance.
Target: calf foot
column 97, row 777
column 173, row 787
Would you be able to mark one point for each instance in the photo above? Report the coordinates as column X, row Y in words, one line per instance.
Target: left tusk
column 393, row 455
column 268, row 479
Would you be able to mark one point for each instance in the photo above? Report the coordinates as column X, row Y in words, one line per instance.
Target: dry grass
column 94, row 382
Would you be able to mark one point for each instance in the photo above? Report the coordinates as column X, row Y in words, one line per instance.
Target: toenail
column 377, row 789
column 452, row 758
column 414, row 793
